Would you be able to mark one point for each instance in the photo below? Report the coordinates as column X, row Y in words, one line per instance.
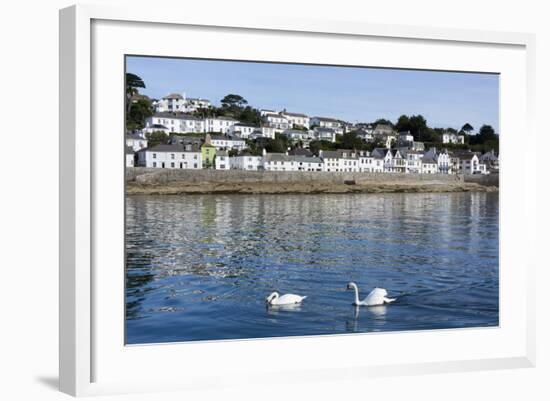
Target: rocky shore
column 175, row 182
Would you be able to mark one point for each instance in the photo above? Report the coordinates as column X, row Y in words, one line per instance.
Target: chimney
column 321, row 153
column 264, row 152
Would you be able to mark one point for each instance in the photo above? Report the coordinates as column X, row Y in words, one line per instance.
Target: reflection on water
column 199, row 267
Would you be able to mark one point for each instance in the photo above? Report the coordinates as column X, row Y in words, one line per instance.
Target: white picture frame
column 93, row 358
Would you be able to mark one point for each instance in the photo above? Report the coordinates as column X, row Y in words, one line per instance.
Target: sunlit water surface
column 199, row 267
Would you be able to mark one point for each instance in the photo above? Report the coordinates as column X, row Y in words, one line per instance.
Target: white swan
column 287, row 299
column 378, row 296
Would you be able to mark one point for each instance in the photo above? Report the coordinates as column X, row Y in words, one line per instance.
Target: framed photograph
column 289, row 199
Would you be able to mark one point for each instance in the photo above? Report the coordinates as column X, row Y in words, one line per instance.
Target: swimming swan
column 287, row 299
column 378, row 296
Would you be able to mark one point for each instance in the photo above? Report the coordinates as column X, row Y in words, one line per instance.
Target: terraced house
column 170, row 156
column 177, row 122
column 340, row 160
column 297, row 120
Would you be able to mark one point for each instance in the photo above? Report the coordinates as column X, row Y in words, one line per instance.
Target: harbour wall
column 142, row 180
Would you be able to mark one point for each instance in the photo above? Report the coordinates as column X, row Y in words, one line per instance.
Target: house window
column 154, row 155
column 172, row 156
column 172, row 165
column 154, row 164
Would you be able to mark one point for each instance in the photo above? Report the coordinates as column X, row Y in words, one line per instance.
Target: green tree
column 133, row 82
column 487, row 133
column 403, row 124
column 156, row 138
column 233, row 100
column 383, row 121
column 316, row 145
column 467, row 128
column 419, row 128
column 139, row 111
column 250, row 115
column 350, row 140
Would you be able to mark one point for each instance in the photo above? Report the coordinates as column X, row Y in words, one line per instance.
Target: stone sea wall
column 141, row 180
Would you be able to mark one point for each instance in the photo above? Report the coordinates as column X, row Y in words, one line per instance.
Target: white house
column 296, row 119
column 340, row 160
column 193, row 104
column 413, row 160
column 221, row 161
column 174, row 102
column 468, row 163
column 170, row 156
column 490, row 160
column 156, row 128
column 177, row 122
column 224, row 142
column 451, row 137
column 129, row 152
column 246, row 162
column 278, row 162
column 405, row 139
column 219, row 124
column 405, row 136
column 265, row 131
column 277, row 121
column 308, row 163
column 370, row 164
column 324, row 134
column 444, row 164
column 326, row 122
column 135, row 142
column 429, row 165
column 264, row 112
column 242, row 130
column 394, row 162
column 296, row 135
column 364, row 135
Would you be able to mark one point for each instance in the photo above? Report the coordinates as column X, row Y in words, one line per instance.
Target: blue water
column 200, row 266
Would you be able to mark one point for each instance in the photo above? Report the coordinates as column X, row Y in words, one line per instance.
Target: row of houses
column 176, row 102
column 174, row 114
column 194, row 155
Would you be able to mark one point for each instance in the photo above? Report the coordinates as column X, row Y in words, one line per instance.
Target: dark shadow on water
column 52, row 382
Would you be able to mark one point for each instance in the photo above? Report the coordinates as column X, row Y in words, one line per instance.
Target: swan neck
column 356, row 294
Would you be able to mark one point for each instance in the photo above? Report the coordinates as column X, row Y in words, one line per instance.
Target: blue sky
column 445, row 99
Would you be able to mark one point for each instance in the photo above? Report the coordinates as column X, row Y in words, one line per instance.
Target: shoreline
column 142, row 181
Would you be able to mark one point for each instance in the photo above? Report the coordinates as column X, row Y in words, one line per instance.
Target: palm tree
column 133, row 82
column 467, row 128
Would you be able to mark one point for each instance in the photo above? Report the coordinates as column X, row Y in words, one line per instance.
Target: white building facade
column 221, row 161
column 246, row 162
column 136, row 142
column 296, row 119
column 242, row 130
column 171, row 157
column 451, row 137
column 220, row 124
column 177, row 122
column 277, row 121
column 172, row 103
column 340, row 160
column 224, row 142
